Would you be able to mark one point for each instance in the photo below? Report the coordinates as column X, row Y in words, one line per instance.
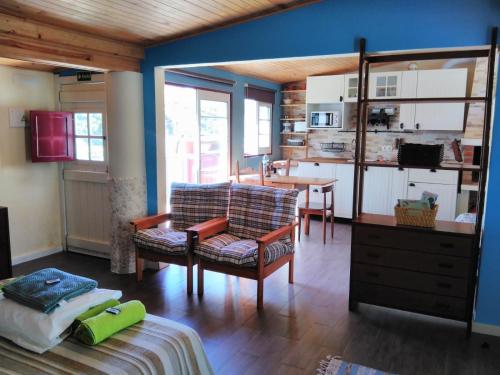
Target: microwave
column 331, row 119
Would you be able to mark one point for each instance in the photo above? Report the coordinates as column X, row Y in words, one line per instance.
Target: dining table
column 300, row 183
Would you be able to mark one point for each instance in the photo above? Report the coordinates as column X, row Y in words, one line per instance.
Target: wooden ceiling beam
column 33, row 41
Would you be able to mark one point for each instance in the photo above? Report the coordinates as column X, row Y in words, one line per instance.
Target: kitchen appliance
column 323, row 119
column 381, row 116
column 417, row 154
column 300, row 127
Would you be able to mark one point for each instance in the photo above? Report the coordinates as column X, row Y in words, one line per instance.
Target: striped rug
column 335, row 366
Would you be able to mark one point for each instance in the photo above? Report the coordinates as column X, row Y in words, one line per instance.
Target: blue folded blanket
column 44, row 289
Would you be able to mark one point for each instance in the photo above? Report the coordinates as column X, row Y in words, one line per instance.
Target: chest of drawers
column 428, row 271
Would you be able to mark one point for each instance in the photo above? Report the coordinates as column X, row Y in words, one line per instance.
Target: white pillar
column 127, row 168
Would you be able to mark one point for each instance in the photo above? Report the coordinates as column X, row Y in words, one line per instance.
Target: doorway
column 197, row 135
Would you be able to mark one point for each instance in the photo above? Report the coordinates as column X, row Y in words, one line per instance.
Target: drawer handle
column 372, row 274
column 433, row 170
column 444, row 285
column 442, row 306
column 373, row 255
column 316, row 164
column 374, row 236
column 447, row 245
column 445, row 265
column 315, row 190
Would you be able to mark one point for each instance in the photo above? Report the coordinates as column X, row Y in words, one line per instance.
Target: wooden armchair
column 255, row 239
column 190, row 204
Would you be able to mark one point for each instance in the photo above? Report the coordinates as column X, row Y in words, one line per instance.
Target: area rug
column 335, row 366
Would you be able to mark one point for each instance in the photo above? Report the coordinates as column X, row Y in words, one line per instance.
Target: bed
column 154, row 346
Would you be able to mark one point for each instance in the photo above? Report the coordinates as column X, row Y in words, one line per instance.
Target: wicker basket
column 426, row 217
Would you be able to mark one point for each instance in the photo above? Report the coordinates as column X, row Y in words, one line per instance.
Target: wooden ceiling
column 283, row 71
column 145, row 22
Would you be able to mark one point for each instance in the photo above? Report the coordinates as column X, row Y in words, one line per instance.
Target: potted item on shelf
column 287, row 127
column 417, row 213
column 287, row 101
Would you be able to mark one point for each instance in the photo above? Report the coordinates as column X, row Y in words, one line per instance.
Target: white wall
column 29, row 190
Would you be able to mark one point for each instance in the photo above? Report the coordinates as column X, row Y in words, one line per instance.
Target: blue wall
column 237, row 107
column 334, row 27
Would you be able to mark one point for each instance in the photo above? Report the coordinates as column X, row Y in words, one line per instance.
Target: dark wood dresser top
column 462, row 229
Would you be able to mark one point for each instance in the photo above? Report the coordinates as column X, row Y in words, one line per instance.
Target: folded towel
column 43, row 290
column 93, row 311
column 98, row 328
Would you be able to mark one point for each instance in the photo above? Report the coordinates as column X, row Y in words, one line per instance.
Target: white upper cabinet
column 440, row 84
column 350, row 88
column 386, row 85
column 408, row 90
column 325, row 89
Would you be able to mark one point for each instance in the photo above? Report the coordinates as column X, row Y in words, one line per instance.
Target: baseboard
column 486, row 329
column 40, row 254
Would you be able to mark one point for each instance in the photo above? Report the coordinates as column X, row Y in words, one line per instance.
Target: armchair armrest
column 149, row 221
column 208, row 228
column 276, row 234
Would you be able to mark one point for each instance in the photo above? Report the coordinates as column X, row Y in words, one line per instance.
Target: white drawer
column 433, row 176
column 310, row 169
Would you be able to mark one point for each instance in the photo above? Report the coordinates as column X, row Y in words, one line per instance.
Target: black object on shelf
column 419, row 154
column 5, row 260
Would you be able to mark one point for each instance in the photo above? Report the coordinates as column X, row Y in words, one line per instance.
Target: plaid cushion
column 257, row 210
column 162, row 240
column 193, row 204
column 226, row 248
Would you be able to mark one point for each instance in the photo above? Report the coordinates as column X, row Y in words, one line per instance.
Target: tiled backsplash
column 376, row 143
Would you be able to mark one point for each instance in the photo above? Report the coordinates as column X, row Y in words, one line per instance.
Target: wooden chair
column 320, row 209
column 190, row 204
column 253, row 241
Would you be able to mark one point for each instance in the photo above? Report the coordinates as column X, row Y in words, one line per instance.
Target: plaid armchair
column 190, row 204
column 254, row 240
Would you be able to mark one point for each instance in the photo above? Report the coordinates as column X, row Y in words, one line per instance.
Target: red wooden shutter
column 52, row 136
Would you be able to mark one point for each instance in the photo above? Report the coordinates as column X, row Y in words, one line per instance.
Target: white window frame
column 261, row 150
column 89, row 137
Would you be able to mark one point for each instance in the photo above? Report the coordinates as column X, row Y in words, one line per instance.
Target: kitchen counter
column 442, row 166
column 295, row 162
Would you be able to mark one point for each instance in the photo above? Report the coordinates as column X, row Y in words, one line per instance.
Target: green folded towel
column 98, row 328
column 93, row 311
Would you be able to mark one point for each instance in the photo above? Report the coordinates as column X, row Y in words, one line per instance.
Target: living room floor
column 302, row 323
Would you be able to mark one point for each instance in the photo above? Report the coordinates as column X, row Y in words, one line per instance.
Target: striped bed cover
column 154, row 346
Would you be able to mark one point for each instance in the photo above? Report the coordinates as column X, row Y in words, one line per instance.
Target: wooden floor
column 301, row 323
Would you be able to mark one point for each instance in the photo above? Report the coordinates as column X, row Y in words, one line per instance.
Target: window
column 258, row 120
column 89, row 136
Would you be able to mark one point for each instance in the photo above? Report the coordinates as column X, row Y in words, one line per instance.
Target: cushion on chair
column 257, row 210
column 226, row 248
column 166, row 241
column 195, row 203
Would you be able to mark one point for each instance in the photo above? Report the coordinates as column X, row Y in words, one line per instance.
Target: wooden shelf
column 293, row 105
column 293, row 91
column 293, row 133
column 289, row 146
column 293, row 119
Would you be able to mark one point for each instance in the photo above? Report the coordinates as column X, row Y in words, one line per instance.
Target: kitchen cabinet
column 343, row 190
column 325, row 89
column 384, row 85
column 313, row 169
column 408, row 90
column 377, row 190
column 351, row 88
column 443, row 183
column 399, row 188
column 440, row 84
